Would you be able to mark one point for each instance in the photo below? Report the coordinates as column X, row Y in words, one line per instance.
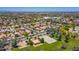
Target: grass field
column 52, row 47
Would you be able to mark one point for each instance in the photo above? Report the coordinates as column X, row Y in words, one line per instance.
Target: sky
column 39, row 9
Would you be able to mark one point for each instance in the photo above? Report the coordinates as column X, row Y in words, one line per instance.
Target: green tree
column 26, row 34
column 66, row 38
column 42, row 40
column 16, row 35
column 30, row 42
column 74, row 34
column 62, row 30
column 14, row 43
column 60, row 37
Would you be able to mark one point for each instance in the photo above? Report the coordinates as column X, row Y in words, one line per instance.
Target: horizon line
column 38, row 9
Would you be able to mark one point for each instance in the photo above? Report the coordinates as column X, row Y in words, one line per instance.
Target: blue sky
column 39, row 9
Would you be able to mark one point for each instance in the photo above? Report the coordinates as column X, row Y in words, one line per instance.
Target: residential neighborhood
column 39, row 31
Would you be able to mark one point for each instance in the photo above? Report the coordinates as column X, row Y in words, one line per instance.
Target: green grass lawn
column 51, row 47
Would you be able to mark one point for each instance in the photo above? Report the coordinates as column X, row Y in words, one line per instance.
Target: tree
column 72, row 23
column 62, row 30
column 66, row 39
column 42, row 40
column 66, row 28
column 26, row 34
column 60, row 37
column 33, row 24
column 16, row 35
column 30, row 42
column 14, row 43
column 74, row 34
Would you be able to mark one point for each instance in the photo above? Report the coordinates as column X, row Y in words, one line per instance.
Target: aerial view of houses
column 39, row 31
